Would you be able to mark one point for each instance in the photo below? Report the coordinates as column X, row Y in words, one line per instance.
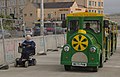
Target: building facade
column 53, row 13
column 38, row 1
column 56, row 11
column 13, row 7
column 96, row 6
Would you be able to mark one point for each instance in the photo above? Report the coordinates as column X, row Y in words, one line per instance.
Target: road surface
column 49, row 66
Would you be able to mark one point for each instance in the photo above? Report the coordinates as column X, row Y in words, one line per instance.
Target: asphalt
column 49, row 66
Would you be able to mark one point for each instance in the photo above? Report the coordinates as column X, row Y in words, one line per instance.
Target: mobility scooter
column 23, row 61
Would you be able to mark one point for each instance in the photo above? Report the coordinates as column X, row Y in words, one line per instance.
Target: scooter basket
column 19, row 49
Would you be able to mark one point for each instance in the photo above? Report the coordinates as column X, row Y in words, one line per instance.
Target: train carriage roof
column 85, row 14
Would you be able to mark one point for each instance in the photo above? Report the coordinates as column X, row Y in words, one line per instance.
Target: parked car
column 49, row 28
column 59, row 30
column 36, row 31
column 6, row 34
column 28, row 31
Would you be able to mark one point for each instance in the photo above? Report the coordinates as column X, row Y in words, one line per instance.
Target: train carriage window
column 92, row 25
column 73, row 25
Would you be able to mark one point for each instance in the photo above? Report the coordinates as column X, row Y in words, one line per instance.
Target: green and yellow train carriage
column 113, row 36
column 107, row 38
column 116, row 34
column 110, row 37
column 85, row 45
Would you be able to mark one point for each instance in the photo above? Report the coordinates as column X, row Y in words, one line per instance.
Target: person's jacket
column 29, row 47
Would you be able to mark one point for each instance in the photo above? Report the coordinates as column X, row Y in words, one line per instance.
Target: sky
column 111, row 6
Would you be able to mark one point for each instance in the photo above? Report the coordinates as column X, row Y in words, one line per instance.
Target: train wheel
column 67, row 67
column 94, row 69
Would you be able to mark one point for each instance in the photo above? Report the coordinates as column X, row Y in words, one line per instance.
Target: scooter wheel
column 34, row 62
column 26, row 64
column 16, row 62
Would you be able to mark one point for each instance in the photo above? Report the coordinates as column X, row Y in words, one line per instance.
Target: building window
column 101, row 3
column 99, row 11
column 95, row 3
column 92, row 10
column 49, row 16
column 62, row 16
column 20, row 10
column 98, row 3
column 55, row 13
column 31, row 14
column 89, row 10
column 90, row 3
column 95, row 11
column 25, row 15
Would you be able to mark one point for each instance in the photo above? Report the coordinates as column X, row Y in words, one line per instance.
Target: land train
column 91, row 40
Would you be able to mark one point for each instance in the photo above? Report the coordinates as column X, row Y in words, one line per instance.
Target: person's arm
column 33, row 44
column 24, row 43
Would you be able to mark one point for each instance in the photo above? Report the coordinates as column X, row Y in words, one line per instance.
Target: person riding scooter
column 28, row 49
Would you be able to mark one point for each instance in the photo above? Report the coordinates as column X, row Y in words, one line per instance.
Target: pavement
column 49, row 66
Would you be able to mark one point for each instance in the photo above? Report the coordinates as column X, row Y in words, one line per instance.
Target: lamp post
column 42, row 16
column 42, row 26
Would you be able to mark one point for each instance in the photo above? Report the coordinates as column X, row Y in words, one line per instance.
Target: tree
column 7, row 21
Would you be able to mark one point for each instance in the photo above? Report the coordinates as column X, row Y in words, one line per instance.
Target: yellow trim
column 82, row 31
column 85, row 14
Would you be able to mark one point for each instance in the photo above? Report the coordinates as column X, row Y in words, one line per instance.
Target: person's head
column 28, row 37
column 87, row 25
